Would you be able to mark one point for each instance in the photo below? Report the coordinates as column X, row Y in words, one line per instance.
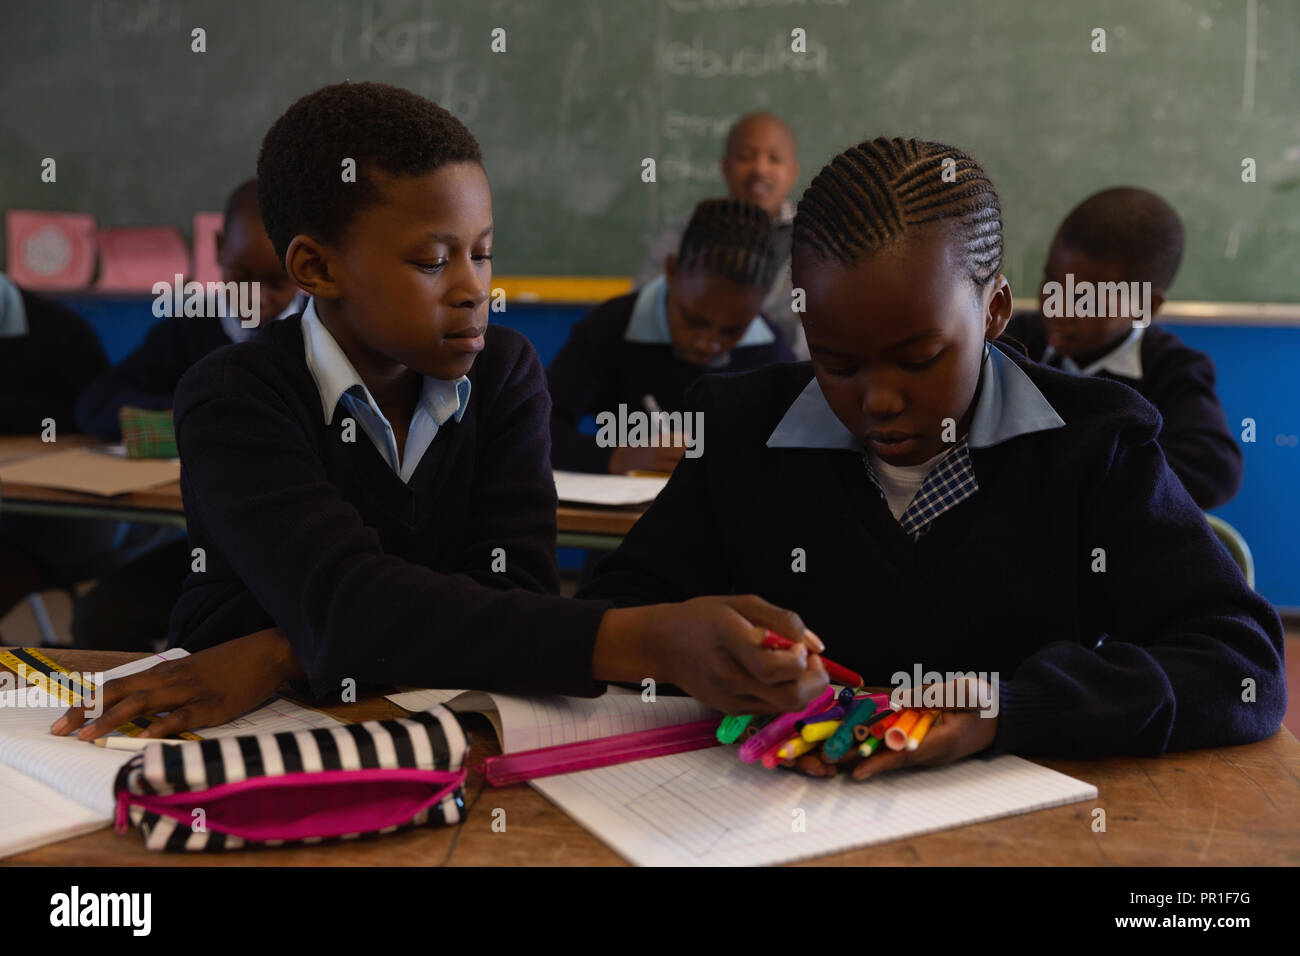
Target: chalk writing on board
column 728, row 6
column 134, row 18
column 700, row 61
column 678, row 125
column 393, row 35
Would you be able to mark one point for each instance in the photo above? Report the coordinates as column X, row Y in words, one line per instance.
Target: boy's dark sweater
column 598, row 369
column 370, row 578
column 42, row 372
column 147, row 378
column 1179, row 381
column 1001, row 583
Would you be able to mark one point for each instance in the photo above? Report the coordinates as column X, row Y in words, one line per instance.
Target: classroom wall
column 1255, row 366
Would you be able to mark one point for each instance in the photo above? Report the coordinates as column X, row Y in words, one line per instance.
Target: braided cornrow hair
column 733, row 238
column 872, row 193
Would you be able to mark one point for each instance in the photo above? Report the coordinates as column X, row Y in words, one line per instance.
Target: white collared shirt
column 338, row 382
column 1124, row 360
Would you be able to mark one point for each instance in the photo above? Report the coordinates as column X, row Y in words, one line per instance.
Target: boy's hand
column 956, row 733
column 663, row 459
column 711, row 647
column 201, row 690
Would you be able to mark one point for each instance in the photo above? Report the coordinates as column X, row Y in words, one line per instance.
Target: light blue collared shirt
column 1124, row 360
column 649, row 322
column 1009, row 405
column 338, row 382
column 13, row 313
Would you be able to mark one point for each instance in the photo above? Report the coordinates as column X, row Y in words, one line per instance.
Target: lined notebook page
column 32, row 815
column 527, row 723
column 706, row 808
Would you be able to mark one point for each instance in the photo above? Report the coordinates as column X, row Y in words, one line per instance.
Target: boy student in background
column 760, row 164
column 643, row 350
column 930, row 498
column 129, row 607
column 1131, row 235
column 47, row 355
column 371, row 480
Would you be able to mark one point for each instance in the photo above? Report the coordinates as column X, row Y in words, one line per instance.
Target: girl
column 643, row 350
column 930, row 499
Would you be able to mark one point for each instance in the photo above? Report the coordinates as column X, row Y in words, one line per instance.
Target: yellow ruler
column 67, row 688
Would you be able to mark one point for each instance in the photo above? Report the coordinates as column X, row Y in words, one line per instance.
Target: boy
column 128, row 608
column 371, row 482
column 644, row 350
column 1131, row 235
column 759, row 163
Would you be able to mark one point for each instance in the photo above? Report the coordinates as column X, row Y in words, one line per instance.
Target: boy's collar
column 1124, row 360
column 649, row 322
column 1008, row 405
column 335, row 375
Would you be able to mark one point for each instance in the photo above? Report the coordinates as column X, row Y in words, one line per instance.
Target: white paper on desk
column 707, row 808
column 581, row 488
column 82, row 775
column 89, row 471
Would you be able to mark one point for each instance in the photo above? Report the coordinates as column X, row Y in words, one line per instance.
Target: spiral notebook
column 706, row 808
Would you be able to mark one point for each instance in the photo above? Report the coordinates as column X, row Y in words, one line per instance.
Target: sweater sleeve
column 512, row 501
column 578, row 376
column 1190, row 655
column 256, row 485
column 1196, row 438
column 677, row 549
column 146, row 378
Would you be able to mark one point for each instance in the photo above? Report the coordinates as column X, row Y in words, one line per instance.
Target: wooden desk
column 597, row 528
column 1234, row 806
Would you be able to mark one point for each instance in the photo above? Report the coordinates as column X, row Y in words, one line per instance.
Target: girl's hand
column 956, row 733
column 711, row 647
column 201, row 690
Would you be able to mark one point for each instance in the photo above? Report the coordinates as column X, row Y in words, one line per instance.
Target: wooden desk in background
column 578, row 527
column 1233, row 806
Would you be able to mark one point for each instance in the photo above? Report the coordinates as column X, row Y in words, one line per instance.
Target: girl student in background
column 924, row 495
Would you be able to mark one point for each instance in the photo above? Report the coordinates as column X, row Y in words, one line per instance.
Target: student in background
column 129, row 607
column 47, row 355
column 371, row 480
column 923, row 496
column 645, row 349
column 760, row 164
column 1132, row 235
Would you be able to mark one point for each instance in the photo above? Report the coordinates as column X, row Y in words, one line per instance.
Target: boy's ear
column 670, row 266
column 307, row 264
column 998, row 311
column 1157, row 300
column 221, row 238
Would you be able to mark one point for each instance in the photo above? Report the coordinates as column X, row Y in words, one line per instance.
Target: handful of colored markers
column 834, row 721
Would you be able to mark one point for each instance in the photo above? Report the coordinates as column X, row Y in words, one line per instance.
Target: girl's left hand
column 202, row 690
column 956, row 733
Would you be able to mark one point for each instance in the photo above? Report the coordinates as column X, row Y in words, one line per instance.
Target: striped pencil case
column 323, row 785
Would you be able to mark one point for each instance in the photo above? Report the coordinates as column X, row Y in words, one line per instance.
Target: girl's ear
column 997, row 307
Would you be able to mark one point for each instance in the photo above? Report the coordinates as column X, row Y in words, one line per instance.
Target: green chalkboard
column 147, row 131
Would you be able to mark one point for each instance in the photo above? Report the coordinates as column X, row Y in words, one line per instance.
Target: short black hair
column 734, row 130
column 869, row 195
column 385, row 129
column 1130, row 227
column 732, row 238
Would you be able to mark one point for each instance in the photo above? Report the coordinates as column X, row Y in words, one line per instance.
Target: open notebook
column 53, row 788
column 707, row 808
column 615, row 491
